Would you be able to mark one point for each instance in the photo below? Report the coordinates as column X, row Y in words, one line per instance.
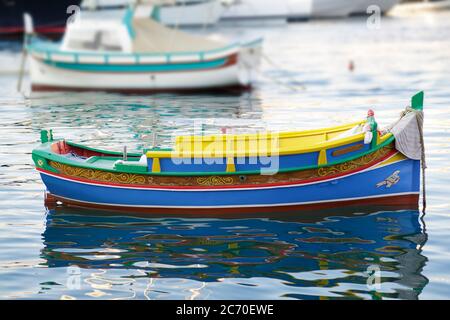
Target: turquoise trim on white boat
column 128, row 22
column 139, row 67
column 49, row 49
column 156, row 13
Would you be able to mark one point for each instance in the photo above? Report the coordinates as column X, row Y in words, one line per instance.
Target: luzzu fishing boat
column 136, row 55
column 350, row 164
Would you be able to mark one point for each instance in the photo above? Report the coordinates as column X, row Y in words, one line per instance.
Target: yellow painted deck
column 263, row 144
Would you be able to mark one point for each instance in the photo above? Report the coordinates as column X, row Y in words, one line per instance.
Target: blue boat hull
column 365, row 186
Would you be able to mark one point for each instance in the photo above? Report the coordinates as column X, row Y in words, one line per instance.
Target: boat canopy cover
column 150, row 36
column 407, row 133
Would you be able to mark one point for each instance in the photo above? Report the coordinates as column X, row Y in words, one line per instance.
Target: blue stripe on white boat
column 138, row 67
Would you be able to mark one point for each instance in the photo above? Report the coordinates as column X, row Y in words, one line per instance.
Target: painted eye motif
column 40, row 162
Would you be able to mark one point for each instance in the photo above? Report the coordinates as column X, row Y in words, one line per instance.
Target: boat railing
column 51, row 52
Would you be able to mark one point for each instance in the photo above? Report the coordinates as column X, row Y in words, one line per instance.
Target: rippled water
column 296, row 256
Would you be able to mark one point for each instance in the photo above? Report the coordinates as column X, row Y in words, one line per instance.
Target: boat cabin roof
column 136, row 33
column 93, row 36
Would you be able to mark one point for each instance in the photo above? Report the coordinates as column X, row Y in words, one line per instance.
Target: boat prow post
column 29, row 32
column 417, row 101
column 46, row 136
column 28, row 24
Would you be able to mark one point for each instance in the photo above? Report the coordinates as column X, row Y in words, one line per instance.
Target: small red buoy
column 351, row 65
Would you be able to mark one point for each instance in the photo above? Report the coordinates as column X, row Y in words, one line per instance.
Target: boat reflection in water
column 307, row 255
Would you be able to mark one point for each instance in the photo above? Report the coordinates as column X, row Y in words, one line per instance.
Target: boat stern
column 249, row 61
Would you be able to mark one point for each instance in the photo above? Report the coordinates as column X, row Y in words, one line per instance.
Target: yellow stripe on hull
column 395, row 158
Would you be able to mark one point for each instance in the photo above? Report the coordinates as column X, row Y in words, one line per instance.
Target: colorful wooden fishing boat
column 139, row 55
column 349, row 164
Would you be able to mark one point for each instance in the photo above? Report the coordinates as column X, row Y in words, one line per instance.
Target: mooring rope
column 423, row 163
column 276, row 66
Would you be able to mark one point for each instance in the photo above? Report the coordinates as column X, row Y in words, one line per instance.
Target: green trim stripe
column 45, row 152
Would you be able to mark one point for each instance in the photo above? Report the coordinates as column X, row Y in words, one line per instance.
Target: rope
column 23, row 61
column 418, row 115
column 422, row 156
column 276, row 66
column 423, row 163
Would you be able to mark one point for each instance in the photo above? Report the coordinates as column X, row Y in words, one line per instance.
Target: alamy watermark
column 374, row 19
column 373, row 281
column 257, row 150
column 75, row 13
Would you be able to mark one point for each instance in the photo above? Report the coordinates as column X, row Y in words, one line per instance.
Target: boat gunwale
column 38, row 46
column 44, row 151
column 377, row 163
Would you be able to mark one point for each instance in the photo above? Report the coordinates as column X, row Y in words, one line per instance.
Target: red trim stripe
column 247, row 186
column 12, row 30
column 231, row 89
column 316, row 210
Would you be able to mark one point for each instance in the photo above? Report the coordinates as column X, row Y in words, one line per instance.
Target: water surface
column 305, row 83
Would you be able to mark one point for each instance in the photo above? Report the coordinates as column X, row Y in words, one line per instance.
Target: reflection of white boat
column 334, row 8
column 139, row 55
column 266, row 9
column 384, row 5
column 419, row 7
column 169, row 12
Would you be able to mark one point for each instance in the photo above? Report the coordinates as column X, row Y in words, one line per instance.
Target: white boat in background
column 139, row 55
column 384, row 5
column 266, row 9
column 424, row 6
column 334, row 8
column 183, row 13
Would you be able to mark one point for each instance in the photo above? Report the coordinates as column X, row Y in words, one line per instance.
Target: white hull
column 267, row 9
column 241, row 74
column 334, row 8
column 384, row 5
column 206, row 13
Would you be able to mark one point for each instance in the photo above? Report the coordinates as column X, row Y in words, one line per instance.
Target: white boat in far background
column 299, row 9
column 266, row 9
column 183, row 13
column 334, row 8
column 384, row 5
column 424, row 6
